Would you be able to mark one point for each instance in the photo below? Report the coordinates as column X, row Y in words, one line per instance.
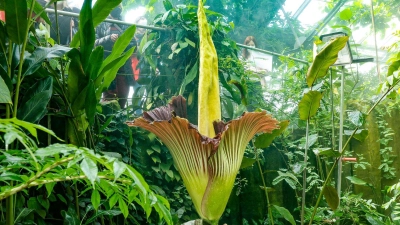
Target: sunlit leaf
column 356, row 117
column 356, row 180
column 90, row 169
column 118, row 168
column 346, row 14
column 326, row 152
column 95, row 199
column 309, row 104
column 324, row 59
column 123, row 207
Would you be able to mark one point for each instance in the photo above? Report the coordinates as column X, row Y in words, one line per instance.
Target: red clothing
column 2, row 15
column 134, row 64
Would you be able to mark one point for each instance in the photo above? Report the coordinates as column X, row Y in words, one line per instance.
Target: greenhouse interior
column 189, row 112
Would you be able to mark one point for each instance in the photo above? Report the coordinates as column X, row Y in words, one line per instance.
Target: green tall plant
column 310, row 102
column 23, row 59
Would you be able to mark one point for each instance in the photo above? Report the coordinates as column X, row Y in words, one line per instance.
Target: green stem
column 271, row 218
column 344, row 149
column 10, row 207
column 77, row 201
column 303, row 193
column 19, row 80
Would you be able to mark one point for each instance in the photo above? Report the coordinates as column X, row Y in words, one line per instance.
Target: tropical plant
column 209, row 158
column 109, row 178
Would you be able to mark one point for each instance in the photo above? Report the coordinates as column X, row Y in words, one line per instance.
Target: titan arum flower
column 207, row 158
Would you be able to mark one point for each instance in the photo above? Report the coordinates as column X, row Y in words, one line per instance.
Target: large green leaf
column 163, row 209
column 101, row 10
column 393, row 67
column 331, row 197
column 44, row 84
column 285, row 214
column 123, row 207
column 17, row 20
column 110, row 71
column 360, row 135
column 309, row 104
column 356, row 180
column 356, row 117
column 34, row 61
column 120, row 46
column 35, row 108
column 95, row 62
column 95, row 199
column 90, row 169
column 5, row 96
column 189, row 77
column 324, row 59
column 264, row 140
column 30, row 127
column 86, row 35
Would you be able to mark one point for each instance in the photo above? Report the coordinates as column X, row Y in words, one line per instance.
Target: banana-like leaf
column 35, row 101
column 120, row 46
column 324, row 59
column 101, row 10
column 5, row 96
column 110, row 71
column 44, row 84
column 17, row 20
column 86, row 34
column 35, row 108
column 309, row 104
column 35, row 60
column 95, row 62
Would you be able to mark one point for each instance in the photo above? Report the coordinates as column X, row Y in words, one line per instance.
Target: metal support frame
column 65, row 13
column 341, row 116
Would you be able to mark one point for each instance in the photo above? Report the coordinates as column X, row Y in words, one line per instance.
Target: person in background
column 67, row 25
column 106, row 35
column 248, row 57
